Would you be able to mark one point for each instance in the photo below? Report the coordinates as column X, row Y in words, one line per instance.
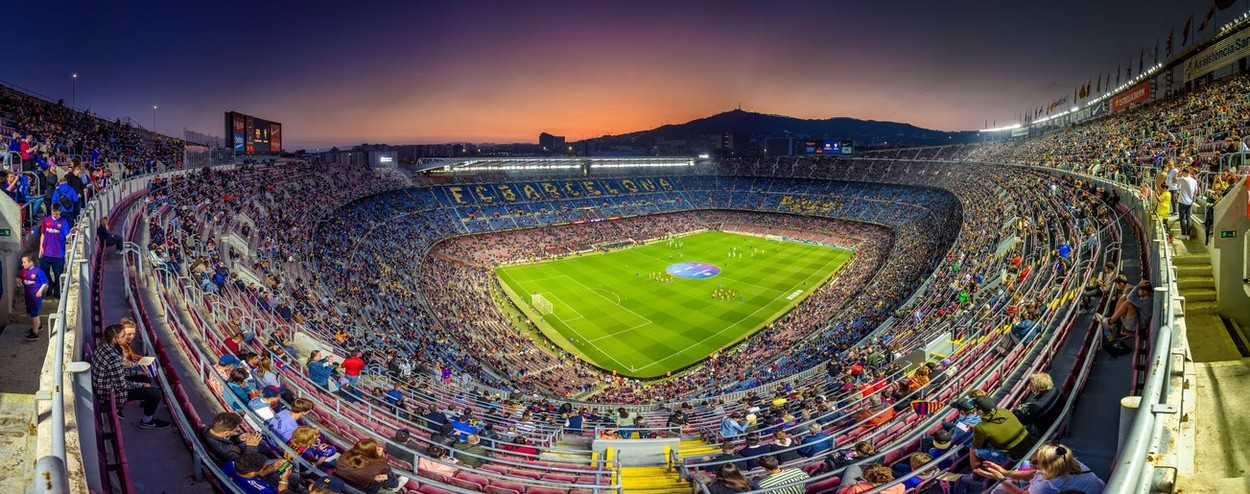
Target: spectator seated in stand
column 251, row 473
column 1042, row 405
column 777, row 477
column 1000, row 437
column 365, row 467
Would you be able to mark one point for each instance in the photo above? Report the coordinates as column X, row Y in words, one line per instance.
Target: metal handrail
column 213, row 374
column 80, row 244
column 1145, row 434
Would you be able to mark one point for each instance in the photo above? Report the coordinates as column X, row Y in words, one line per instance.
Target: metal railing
column 1133, row 471
column 75, row 279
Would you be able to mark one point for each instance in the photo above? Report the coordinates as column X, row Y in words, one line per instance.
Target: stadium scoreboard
column 818, row 147
column 251, row 135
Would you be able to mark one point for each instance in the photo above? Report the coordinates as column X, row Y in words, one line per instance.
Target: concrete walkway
column 1221, row 418
column 19, row 380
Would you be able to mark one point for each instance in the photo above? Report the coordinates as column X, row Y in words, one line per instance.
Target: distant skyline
column 425, row 72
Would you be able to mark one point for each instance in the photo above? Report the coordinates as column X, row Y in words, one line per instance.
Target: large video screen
column 826, row 147
column 251, row 135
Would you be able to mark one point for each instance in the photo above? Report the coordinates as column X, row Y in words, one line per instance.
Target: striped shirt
column 108, row 375
column 786, row 476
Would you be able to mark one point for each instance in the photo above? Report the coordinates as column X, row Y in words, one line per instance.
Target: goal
column 541, row 304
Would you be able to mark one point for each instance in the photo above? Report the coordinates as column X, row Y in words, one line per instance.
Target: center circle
column 693, row 270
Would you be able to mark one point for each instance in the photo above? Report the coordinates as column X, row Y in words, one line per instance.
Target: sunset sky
column 337, row 73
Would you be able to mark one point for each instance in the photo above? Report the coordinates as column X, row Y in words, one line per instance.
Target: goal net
column 541, row 304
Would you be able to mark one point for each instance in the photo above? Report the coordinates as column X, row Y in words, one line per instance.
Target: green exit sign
column 1223, row 234
column 6, row 232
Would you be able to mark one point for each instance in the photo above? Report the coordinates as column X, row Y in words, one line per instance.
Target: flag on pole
column 1170, row 33
column 1185, row 32
column 1206, row 20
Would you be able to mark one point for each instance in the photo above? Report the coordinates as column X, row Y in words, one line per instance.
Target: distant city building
column 735, row 143
column 587, row 148
column 779, row 146
column 349, row 157
column 551, row 144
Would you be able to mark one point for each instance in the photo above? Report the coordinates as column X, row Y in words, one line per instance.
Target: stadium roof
column 454, row 165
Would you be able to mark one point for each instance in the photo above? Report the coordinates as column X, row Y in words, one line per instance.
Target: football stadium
column 1052, row 301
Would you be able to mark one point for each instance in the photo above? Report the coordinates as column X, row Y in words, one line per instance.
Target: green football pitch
column 608, row 309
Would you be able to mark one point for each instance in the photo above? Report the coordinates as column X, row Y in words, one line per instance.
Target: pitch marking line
column 753, row 285
column 626, row 330
column 617, row 303
column 574, row 330
column 553, row 295
column 579, row 314
column 718, row 333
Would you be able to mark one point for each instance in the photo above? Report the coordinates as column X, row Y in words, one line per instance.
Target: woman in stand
column 729, row 480
column 1055, row 469
column 364, row 467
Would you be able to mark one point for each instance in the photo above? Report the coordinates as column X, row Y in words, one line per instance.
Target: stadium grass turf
column 619, row 319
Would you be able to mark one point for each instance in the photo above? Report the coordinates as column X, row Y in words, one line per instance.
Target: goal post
column 541, row 304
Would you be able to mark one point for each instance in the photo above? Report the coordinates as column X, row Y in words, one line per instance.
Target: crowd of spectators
column 47, row 134
column 1136, row 145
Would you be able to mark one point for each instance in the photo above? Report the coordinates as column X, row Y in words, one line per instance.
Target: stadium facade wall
column 1228, row 254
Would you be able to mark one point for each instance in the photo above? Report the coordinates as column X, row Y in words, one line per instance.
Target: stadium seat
column 826, row 486
column 505, row 487
column 559, row 477
column 465, row 484
column 431, row 489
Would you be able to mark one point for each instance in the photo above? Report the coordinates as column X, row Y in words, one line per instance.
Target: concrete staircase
column 652, row 480
column 697, row 447
column 661, row 480
column 1209, row 339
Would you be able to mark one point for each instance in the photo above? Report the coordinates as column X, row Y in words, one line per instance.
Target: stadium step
column 1194, row 258
column 1198, row 294
column 1203, row 484
column 1193, row 270
column 652, row 480
column 1196, row 282
column 1209, row 340
column 697, row 447
column 1202, row 307
column 1220, row 464
column 17, row 440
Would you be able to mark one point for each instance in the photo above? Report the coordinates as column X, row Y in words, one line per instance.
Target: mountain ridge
column 865, row 133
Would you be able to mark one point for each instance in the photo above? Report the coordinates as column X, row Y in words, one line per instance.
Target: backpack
column 67, row 204
column 1117, row 349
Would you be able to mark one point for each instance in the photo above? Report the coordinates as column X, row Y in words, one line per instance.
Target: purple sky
column 339, row 73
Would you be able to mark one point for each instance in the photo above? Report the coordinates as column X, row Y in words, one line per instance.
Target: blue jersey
column 64, row 190
column 1065, row 250
column 250, row 486
column 33, row 279
column 54, row 231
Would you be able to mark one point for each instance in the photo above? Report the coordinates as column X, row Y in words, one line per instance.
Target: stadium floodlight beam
column 1001, row 129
